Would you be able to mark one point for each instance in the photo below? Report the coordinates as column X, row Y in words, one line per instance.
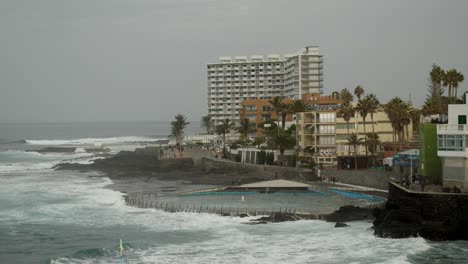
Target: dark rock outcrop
column 429, row 215
column 276, row 218
column 56, row 150
column 132, row 161
column 341, row 224
column 349, row 213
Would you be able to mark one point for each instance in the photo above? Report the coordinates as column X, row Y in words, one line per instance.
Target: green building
column 430, row 163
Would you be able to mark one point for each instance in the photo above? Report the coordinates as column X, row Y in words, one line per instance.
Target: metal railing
column 146, row 200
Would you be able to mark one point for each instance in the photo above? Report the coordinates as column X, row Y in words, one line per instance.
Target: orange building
column 316, row 98
column 258, row 110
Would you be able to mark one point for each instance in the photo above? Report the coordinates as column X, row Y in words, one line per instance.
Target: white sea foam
column 67, row 198
column 17, row 160
column 93, row 141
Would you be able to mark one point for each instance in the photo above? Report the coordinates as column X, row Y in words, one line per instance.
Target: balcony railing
column 447, row 127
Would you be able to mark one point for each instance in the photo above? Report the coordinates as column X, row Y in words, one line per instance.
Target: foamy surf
column 93, row 141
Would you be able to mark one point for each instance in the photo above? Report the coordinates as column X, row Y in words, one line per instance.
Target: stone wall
column 368, row 178
column 430, row 206
column 435, row 216
column 260, row 172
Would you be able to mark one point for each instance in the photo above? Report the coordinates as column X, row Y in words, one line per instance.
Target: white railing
column 447, row 127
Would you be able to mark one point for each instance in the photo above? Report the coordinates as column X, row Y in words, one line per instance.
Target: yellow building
column 322, row 134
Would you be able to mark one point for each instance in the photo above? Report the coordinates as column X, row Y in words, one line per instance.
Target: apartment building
column 452, row 144
column 259, row 110
column 235, row 79
column 322, row 133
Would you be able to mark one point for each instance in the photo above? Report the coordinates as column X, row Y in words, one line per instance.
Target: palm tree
column 279, row 107
column 346, row 96
column 347, row 111
column 207, row 123
column 373, row 142
column 178, row 126
column 363, row 108
column 437, row 76
column 397, row 112
column 282, row 140
column 297, row 106
column 244, row 128
column 224, row 128
column 373, row 107
column 358, row 91
column 451, row 80
column 415, row 119
column 354, row 141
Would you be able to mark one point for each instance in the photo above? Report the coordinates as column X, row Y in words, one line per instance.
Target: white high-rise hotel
column 231, row 80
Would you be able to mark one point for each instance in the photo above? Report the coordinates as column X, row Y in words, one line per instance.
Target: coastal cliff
column 434, row 216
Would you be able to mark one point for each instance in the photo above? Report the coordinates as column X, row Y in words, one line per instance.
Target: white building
column 231, row 80
column 452, row 144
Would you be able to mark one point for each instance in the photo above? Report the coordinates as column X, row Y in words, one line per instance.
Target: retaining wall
column 430, row 206
column 367, row 178
column 260, row 172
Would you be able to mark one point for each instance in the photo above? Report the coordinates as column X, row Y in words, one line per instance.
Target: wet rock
column 276, row 217
column 341, row 224
column 349, row 213
column 243, row 215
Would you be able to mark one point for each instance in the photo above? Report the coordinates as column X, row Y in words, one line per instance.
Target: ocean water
column 71, row 217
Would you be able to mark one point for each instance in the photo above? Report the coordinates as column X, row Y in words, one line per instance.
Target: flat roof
column 275, row 184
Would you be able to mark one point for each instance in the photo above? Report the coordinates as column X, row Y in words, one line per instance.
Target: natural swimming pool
column 314, row 201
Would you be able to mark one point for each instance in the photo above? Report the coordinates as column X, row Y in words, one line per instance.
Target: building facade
column 322, row 134
column 233, row 80
column 452, row 144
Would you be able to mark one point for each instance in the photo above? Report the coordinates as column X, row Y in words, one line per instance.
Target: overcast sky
column 141, row 60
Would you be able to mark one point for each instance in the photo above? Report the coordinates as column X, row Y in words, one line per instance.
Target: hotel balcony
column 447, row 129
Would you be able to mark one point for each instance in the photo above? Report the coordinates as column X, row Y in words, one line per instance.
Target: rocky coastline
column 434, row 217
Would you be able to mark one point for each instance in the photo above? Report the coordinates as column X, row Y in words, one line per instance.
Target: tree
column 282, row 140
column 279, row 107
column 363, row 107
column 222, row 129
column 207, row 123
column 177, row 129
column 372, row 144
column 354, row 141
column 358, row 91
column 437, row 77
column 347, row 111
column 415, row 119
column 373, row 105
column 346, row 96
column 451, row 80
column 297, row 106
column 397, row 112
column 244, row 128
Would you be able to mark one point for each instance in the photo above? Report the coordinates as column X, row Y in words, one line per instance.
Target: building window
column 251, row 108
column 326, row 129
column 266, row 108
column 462, row 119
column 344, row 126
column 326, row 140
column 327, row 117
column 451, row 142
column 342, row 137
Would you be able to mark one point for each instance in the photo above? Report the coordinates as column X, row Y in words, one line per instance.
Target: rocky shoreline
column 141, row 170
